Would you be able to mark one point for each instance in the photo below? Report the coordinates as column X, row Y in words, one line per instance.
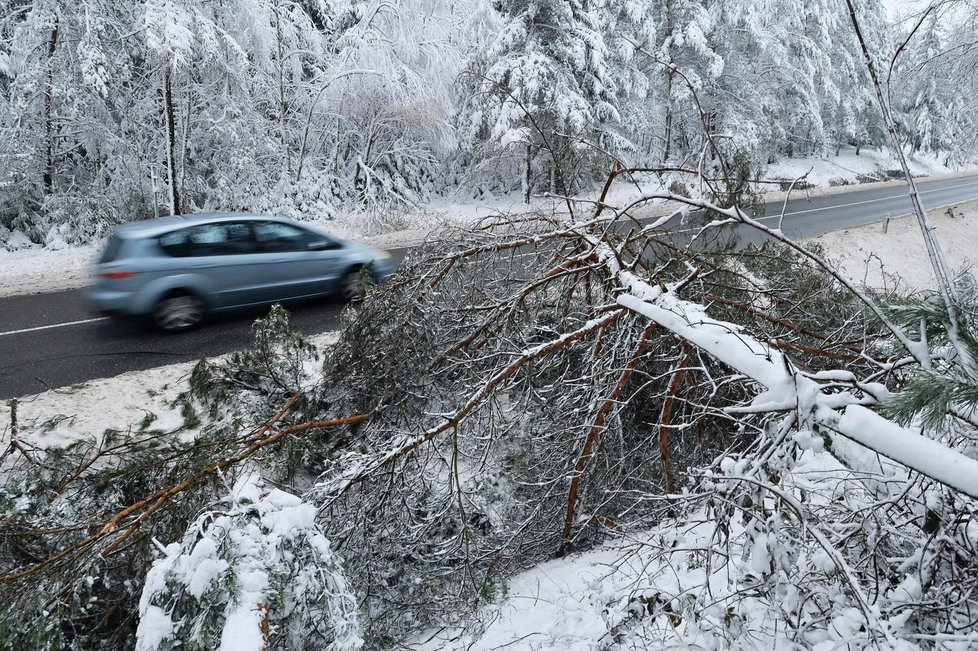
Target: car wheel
column 177, row 312
column 351, row 284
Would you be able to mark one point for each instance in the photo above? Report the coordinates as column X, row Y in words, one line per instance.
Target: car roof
column 152, row 227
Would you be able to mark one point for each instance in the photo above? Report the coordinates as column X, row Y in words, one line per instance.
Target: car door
column 302, row 262
column 224, row 260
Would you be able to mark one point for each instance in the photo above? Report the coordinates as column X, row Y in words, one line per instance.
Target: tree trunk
column 185, row 158
column 956, row 322
column 667, row 137
column 169, row 116
column 48, row 175
column 282, row 104
column 528, row 174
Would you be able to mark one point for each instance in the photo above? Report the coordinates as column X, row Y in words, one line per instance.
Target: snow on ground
column 562, row 604
column 559, row 604
column 871, row 256
column 37, row 270
column 848, row 168
column 135, row 400
column 609, row 597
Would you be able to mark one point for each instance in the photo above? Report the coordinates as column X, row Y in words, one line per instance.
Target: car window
column 112, row 248
column 239, row 238
column 277, row 237
column 227, row 238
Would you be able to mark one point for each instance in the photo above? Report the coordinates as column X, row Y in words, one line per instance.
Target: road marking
column 778, row 216
column 55, row 325
column 857, row 203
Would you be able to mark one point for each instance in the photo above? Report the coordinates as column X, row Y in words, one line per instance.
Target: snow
column 787, row 390
column 35, row 270
column 154, row 627
column 847, row 167
column 868, row 255
column 233, row 564
column 650, row 589
column 242, row 630
column 570, row 603
column 123, row 402
column 556, row 605
column 908, row 447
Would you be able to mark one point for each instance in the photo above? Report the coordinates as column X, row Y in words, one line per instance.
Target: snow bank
column 848, row 168
column 871, row 256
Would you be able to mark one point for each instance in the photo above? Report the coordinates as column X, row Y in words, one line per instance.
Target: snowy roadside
column 890, row 255
column 133, row 401
column 36, row 270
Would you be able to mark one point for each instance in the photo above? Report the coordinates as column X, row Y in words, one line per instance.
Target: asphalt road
column 52, row 340
column 803, row 217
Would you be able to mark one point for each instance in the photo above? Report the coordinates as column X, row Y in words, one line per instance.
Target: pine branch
column 141, row 510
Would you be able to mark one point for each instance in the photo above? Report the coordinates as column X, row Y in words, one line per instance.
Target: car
column 179, row 269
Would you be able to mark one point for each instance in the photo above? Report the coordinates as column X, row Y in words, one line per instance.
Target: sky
column 894, row 8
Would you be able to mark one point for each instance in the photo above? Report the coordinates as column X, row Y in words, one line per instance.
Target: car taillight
column 117, row 275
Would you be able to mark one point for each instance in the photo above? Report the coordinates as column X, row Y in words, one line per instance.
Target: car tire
column 351, row 284
column 178, row 312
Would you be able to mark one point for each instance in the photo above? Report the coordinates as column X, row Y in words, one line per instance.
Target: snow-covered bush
column 257, row 574
column 71, row 220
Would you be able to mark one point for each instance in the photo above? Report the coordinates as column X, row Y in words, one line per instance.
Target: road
column 805, row 217
column 51, row 340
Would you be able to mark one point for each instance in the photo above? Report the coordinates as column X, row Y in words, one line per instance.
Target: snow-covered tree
column 385, row 108
column 794, row 77
column 687, row 46
column 257, row 574
column 932, row 85
column 549, row 93
column 60, row 115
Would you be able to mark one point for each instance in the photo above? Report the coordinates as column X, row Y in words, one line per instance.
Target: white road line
column 55, row 325
column 857, row 203
column 778, row 216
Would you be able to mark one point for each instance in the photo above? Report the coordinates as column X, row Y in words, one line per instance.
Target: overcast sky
column 896, row 7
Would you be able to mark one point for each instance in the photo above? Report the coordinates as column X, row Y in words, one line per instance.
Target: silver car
column 177, row 269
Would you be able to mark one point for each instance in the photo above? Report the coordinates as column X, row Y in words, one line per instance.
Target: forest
column 774, row 455
column 114, row 110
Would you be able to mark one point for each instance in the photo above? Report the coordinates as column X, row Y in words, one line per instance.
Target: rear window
column 111, row 251
column 276, row 237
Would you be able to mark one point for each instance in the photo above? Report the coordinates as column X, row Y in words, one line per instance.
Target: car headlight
column 380, row 254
